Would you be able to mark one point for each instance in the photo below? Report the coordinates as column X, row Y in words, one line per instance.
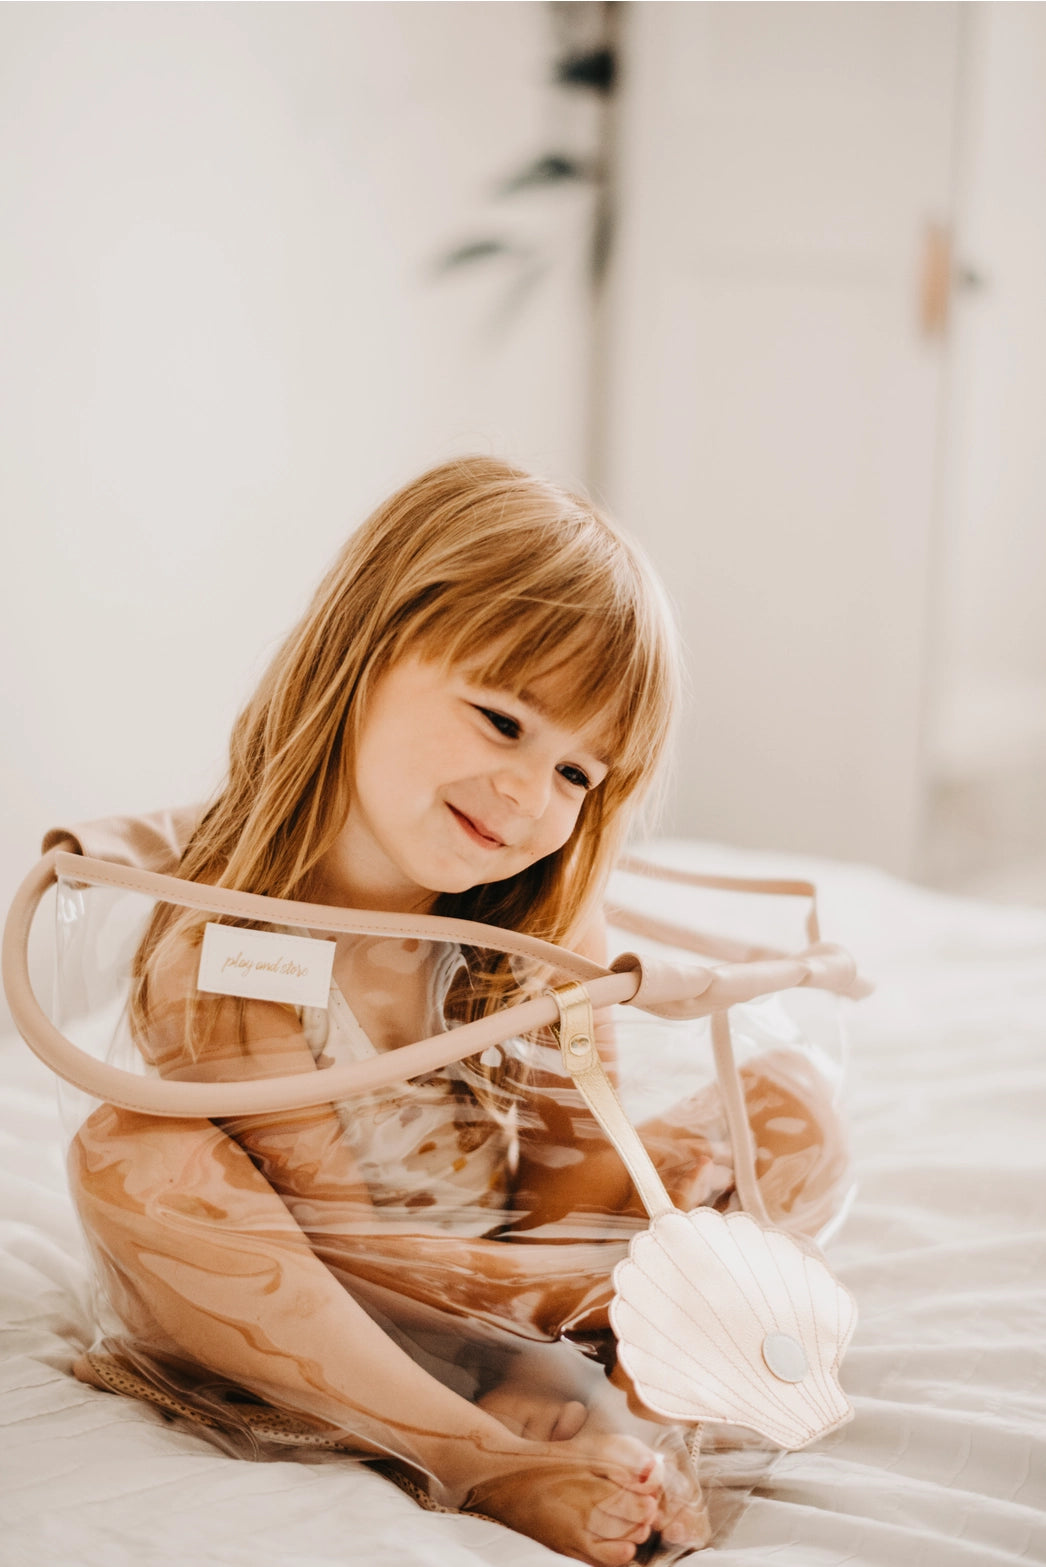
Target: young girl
column 462, row 724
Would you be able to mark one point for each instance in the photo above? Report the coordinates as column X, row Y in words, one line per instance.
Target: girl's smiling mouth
column 475, row 829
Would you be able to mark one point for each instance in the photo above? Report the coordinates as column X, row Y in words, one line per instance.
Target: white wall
column 222, row 345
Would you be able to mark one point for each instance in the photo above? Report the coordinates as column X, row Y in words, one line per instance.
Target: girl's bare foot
column 538, row 1414
column 595, row 1501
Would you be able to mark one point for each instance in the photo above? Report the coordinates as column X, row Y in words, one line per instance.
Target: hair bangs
column 602, row 673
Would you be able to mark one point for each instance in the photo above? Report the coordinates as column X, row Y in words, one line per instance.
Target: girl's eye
column 512, row 729
column 501, row 722
column 576, row 776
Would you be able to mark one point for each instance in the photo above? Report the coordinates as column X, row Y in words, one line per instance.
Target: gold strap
column 577, row 1042
column 576, row 1033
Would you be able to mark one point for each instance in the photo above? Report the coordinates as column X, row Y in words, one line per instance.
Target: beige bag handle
column 706, row 943
column 669, row 989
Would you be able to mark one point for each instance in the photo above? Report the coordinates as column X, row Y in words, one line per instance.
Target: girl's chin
column 462, row 884
column 463, row 880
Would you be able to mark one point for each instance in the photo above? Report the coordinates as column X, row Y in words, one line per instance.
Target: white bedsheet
column 945, row 1250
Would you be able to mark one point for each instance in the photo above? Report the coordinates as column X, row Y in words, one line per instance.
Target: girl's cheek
column 566, row 823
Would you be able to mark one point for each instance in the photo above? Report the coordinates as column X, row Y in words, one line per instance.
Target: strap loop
column 576, row 1029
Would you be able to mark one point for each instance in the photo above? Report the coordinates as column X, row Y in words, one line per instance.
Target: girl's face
column 456, row 784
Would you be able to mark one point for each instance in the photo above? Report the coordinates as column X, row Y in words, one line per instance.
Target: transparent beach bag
column 295, row 1127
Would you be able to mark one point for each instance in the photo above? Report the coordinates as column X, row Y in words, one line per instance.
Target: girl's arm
column 220, row 1039
column 204, row 1262
column 304, row 1158
column 203, row 1259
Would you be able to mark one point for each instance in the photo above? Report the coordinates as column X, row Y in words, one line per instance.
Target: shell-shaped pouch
column 717, row 1318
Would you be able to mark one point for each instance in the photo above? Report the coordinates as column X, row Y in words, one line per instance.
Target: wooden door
column 774, row 401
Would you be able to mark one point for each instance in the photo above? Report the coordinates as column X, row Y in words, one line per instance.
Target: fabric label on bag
column 263, row 965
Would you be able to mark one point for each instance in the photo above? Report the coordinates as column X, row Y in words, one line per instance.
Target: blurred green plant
column 585, row 60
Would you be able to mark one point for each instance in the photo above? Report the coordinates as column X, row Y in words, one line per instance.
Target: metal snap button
column 785, row 1357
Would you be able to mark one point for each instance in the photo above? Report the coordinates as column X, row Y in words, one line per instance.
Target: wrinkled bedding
column 945, row 1250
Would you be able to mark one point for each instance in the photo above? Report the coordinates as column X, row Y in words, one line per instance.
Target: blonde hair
column 475, row 563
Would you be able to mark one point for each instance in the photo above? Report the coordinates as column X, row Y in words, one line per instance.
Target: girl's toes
column 643, row 1468
column 623, row 1520
column 609, row 1531
column 624, row 1512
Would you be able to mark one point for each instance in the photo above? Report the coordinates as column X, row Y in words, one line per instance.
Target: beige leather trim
column 317, row 916
column 710, row 987
column 772, row 886
column 672, row 990
column 160, row 1096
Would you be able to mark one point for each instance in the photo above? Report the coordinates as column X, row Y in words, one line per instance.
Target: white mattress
column 945, row 1250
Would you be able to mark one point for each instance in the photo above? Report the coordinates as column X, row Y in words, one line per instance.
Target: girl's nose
column 526, row 788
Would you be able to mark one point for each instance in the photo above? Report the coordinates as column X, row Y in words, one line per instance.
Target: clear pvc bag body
column 269, row 1276
column 800, row 1034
